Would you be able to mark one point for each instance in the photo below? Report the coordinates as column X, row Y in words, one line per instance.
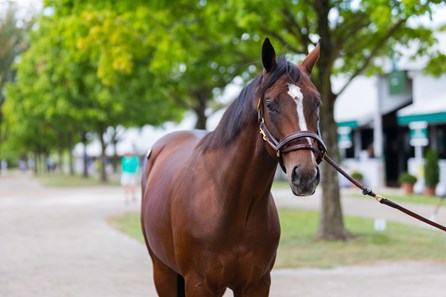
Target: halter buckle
column 258, row 104
column 263, row 134
column 261, row 130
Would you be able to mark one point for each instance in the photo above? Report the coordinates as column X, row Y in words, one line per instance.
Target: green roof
column 431, row 118
column 351, row 124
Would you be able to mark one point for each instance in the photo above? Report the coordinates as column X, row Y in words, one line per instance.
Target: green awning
column 350, row 124
column 431, row 118
column 432, row 111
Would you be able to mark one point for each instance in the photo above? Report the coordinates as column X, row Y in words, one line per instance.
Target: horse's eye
column 268, row 103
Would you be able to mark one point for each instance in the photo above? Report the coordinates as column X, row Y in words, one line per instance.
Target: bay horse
column 208, row 217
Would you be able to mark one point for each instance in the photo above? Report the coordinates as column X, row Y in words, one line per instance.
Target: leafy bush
column 407, row 178
column 431, row 168
column 357, row 175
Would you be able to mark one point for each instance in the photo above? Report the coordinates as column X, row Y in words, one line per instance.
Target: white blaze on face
column 296, row 94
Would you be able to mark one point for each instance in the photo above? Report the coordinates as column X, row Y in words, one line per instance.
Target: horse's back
column 172, row 148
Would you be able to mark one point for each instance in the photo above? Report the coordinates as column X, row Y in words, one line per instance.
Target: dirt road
column 56, row 242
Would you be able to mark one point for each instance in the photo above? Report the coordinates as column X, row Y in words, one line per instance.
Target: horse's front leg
column 165, row 279
column 197, row 286
column 260, row 289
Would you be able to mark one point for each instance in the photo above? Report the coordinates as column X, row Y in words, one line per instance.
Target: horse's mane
column 242, row 111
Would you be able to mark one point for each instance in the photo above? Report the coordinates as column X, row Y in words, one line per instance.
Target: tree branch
column 346, row 33
column 296, row 29
column 282, row 40
column 373, row 53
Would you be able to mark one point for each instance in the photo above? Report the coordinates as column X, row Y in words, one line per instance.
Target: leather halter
column 284, row 145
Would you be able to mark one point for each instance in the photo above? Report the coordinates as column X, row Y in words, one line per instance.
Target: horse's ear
column 268, row 56
column 311, row 59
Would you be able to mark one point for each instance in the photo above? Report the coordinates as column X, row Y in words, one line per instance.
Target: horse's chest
column 244, row 263
column 232, row 253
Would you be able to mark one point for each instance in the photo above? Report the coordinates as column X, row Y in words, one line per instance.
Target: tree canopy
column 13, row 41
column 96, row 64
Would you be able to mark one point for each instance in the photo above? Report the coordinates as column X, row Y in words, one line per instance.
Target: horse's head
column 288, row 108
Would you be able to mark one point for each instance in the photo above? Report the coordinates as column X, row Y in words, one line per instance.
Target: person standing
column 129, row 172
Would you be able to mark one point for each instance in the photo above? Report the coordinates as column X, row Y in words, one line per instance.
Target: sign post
column 418, row 137
column 344, row 137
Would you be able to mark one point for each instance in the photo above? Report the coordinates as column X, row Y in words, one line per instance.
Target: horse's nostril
column 295, row 174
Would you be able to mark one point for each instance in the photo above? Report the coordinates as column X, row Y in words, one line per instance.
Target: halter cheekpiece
column 283, row 145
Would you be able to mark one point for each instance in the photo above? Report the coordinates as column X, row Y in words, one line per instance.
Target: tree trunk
column 45, row 163
column 85, row 156
column 331, row 225
column 35, row 156
column 115, row 156
column 115, row 150
column 103, row 169
column 331, row 221
column 70, row 154
column 202, row 97
column 62, row 144
column 60, row 157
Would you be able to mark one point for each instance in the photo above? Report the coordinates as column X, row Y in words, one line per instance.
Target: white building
column 378, row 112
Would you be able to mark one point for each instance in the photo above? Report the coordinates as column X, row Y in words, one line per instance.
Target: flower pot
column 407, row 188
column 429, row 190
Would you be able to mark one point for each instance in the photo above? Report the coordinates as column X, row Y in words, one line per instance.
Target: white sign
column 418, row 134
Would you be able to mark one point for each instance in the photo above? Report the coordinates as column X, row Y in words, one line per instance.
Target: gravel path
column 56, row 242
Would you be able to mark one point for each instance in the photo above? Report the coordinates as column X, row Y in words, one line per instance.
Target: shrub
column 357, row 175
column 431, row 168
column 407, row 178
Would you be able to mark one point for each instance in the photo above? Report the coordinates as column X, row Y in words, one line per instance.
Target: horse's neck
column 249, row 168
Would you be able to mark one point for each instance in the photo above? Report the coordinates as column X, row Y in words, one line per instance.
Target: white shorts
column 128, row 179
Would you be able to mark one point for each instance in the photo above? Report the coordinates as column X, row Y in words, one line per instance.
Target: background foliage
column 95, row 65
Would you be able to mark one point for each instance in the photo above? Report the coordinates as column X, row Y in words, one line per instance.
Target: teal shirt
column 130, row 164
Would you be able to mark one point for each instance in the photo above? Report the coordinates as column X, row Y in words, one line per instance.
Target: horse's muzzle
column 304, row 181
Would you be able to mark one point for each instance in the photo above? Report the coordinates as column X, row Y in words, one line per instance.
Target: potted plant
column 407, row 181
column 431, row 172
column 358, row 176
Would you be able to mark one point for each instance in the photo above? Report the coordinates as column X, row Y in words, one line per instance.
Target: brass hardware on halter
column 263, row 134
column 258, row 104
column 261, row 130
column 324, row 153
column 283, row 146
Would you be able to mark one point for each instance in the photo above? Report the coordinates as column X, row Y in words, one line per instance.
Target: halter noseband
column 281, row 147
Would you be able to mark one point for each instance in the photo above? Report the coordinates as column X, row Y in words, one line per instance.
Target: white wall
column 372, row 169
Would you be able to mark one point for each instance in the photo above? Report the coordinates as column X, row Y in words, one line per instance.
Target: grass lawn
column 66, row 181
column 298, row 248
column 398, row 242
column 415, row 198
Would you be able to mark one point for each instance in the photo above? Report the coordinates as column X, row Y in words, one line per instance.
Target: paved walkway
column 56, row 242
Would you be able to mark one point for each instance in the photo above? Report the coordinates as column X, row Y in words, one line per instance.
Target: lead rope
column 379, row 198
